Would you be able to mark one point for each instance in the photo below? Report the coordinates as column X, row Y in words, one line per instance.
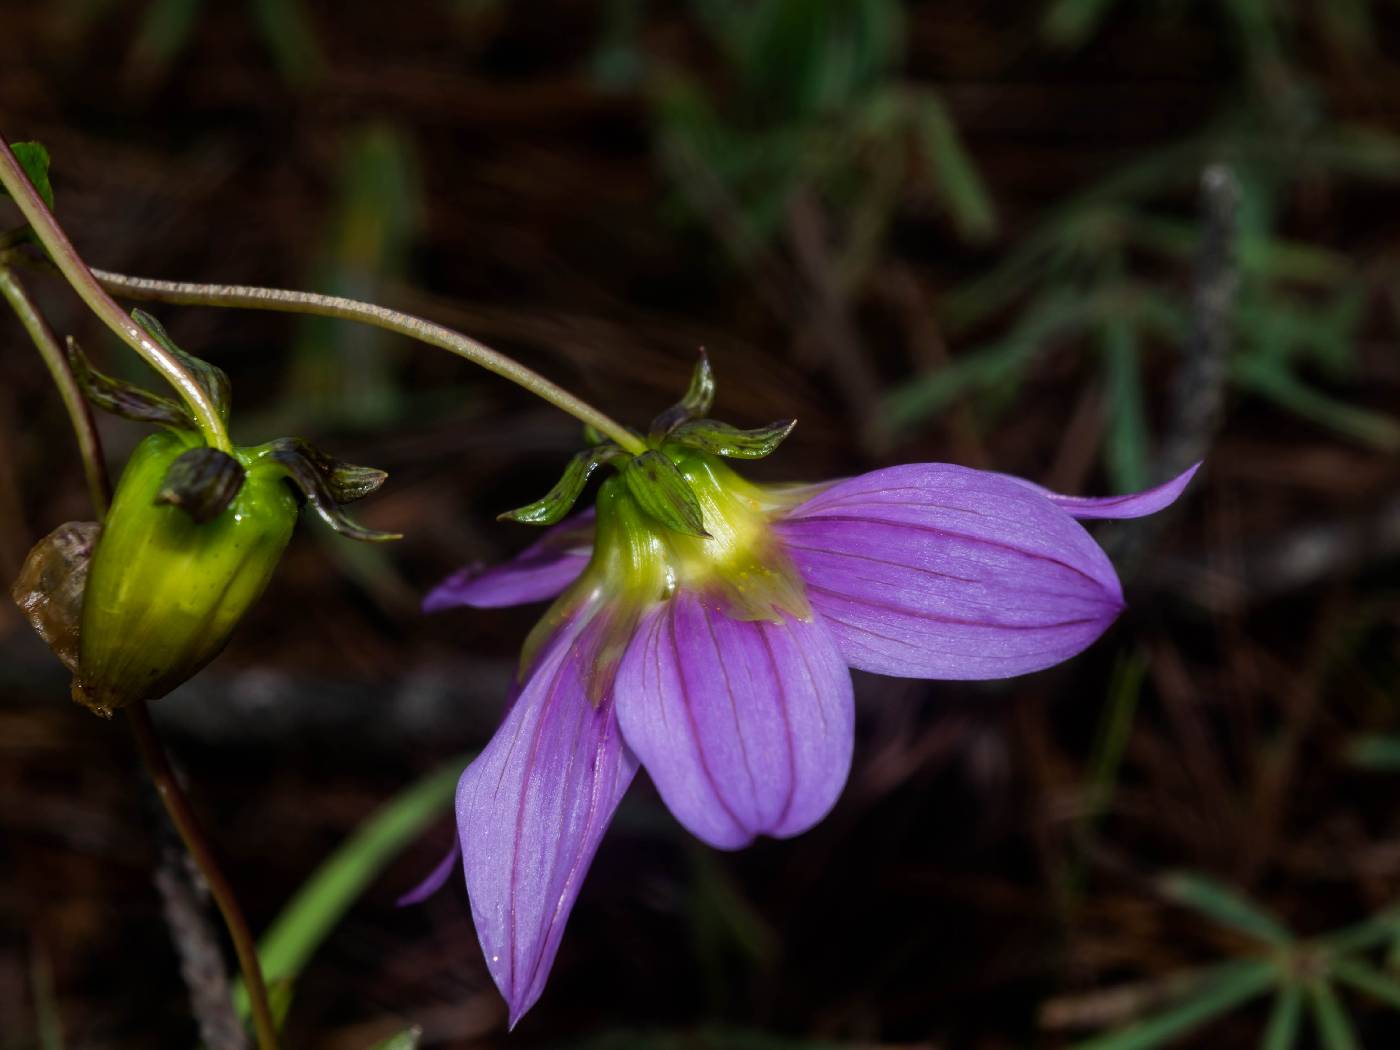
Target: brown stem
column 182, row 816
column 79, row 413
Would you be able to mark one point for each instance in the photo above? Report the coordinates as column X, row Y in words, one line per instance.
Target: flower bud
column 165, row 589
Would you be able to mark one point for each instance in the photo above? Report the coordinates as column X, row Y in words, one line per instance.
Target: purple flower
column 720, row 662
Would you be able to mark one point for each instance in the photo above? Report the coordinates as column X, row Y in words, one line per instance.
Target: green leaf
column 558, row 501
column 34, row 159
column 1284, row 1020
column 406, row 1040
column 202, row 482
column 1221, row 989
column 1126, row 447
column 662, row 491
column 699, row 398
column 212, row 379
column 1334, row 1030
column 965, row 195
column 1222, row 904
column 1366, row 978
column 125, row 399
column 1366, row 934
column 1276, row 383
column 308, row 918
column 723, row 440
column 288, row 33
column 1375, row 752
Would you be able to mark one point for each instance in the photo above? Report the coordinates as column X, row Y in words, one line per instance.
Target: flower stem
column 182, row 816
column 287, row 301
column 71, row 265
column 79, row 413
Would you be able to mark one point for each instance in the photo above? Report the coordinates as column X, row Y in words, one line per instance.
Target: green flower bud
column 164, row 590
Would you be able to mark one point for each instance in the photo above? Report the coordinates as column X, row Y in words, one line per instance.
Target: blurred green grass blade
column 1222, row 988
column 1125, row 451
column 1069, row 23
column 164, row 31
column 288, row 33
column 308, row 918
column 1285, row 1020
column 48, row 1020
column 1375, row 752
column 965, row 194
column 1366, row 978
column 408, row 1039
column 1275, row 383
column 1116, row 726
column 1222, row 904
column 1365, row 934
column 1334, row 1030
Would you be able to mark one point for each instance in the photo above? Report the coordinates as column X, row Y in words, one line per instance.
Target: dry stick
column 287, row 301
column 181, row 813
column 48, row 232
column 79, row 412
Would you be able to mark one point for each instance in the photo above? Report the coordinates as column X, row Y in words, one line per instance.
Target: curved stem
column 287, row 301
column 79, row 413
column 75, row 271
column 182, row 815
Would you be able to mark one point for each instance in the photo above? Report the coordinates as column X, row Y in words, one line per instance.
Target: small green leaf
column 212, row 379
column 406, row 1040
column 961, row 187
column 1126, row 449
column 308, row 918
column 280, row 993
column 711, row 435
column 124, row 399
column 1285, row 1020
column 1366, row 978
column 34, row 159
column 698, row 400
column 1221, row 989
column 202, row 482
column 1334, row 1030
column 1219, row 902
column 558, row 501
column 661, row 490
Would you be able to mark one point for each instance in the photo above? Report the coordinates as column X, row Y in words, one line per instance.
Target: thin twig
column 182, row 815
column 79, row 412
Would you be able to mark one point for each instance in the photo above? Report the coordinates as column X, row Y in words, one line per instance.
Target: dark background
column 962, row 231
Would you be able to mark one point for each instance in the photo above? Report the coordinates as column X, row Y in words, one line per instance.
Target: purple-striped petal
column 746, row 728
column 937, row 571
column 531, row 810
column 435, row 879
column 536, row 574
column 1132, row 505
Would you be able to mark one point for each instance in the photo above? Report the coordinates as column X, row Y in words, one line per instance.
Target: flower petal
column 531, row 810
column 745, row 727
column 1132, row 505
column 536, row 574
column 435, row 879
column 937, row 571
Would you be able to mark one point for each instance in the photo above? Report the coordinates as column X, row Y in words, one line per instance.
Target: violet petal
column 937, row 571
column 536, row 574
column 746, row 728
column 435, row 879
column 1132, row 505
column 531, row 810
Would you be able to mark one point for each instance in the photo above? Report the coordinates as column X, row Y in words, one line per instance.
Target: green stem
column 79, row 413
column 287, row 301
column 75, row 271
column 182, row 816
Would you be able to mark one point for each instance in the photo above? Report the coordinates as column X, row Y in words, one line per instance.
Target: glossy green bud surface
column 164, row 592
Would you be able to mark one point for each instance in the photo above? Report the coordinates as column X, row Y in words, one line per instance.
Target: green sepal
column 34, row 159
column 211, row 378
column 125, row 399
column 202, row 482
column 313, row 474
column 558, row 501
column 345, row 481
column 710, row 435
column 698, row 400
column 662, row 491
